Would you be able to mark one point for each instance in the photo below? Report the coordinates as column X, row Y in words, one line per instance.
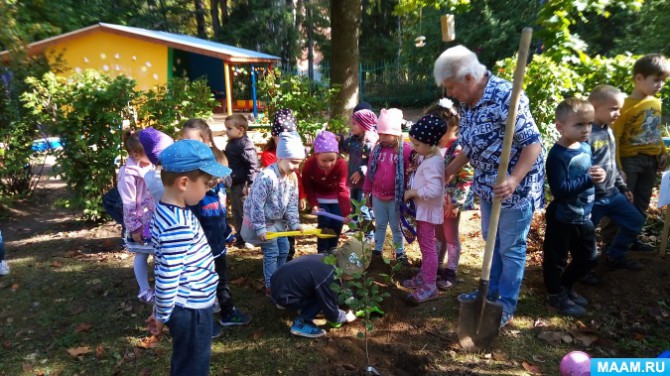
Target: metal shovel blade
column 478, row 322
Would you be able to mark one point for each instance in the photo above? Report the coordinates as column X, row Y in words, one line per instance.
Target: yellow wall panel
column 115, row 54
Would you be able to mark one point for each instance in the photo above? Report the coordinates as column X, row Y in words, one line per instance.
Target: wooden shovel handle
column 517, row 86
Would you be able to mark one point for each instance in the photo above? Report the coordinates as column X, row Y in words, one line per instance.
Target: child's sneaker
column 423, row 294
column 306, row 329
column 216, row 330
column 446, row 278
column 565, row 305
column 236, row 317
column 402, row 259
column 590, row 279
column 414, row 283
column 578, row 299
column 146, row 296
column 4, row 268
column 623, row 263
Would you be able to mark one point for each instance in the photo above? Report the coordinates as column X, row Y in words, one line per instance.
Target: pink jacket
column 138, row 205
column 383, row 186
column 429, row 183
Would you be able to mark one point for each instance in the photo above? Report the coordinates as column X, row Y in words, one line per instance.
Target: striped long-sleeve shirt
column 184, row 266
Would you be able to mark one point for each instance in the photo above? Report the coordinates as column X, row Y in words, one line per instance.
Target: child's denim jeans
column 191, row 331
column 275, row 252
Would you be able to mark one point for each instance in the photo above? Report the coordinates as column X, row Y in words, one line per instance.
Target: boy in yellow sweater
column 638, row 131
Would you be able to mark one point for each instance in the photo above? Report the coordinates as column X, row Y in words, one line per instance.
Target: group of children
column 604, row 164
column 174, row 195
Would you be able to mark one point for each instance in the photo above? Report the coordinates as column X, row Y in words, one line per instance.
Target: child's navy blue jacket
column 212, row 216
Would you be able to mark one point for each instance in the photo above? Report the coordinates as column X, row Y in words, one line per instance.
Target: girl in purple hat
column 138, row 207
column 324, row 177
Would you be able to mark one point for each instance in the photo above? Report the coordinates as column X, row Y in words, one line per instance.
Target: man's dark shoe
column 575, row 297
column 639, row 246
column 565, row 305
column 590, row 279
column 623, row 263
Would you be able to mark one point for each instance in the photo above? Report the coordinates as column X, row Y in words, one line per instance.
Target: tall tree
column 214, row 13
column 200, row 18
column 345, row 20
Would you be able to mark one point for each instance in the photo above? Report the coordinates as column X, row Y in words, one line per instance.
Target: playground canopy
column 152, row 57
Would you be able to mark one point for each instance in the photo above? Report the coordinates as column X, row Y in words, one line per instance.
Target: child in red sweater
column 324, row 178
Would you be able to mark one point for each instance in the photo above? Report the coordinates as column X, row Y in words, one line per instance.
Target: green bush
column 547, row 83
column 169, row 106
column 17, row 132
column 88, row 112
column 309, row 101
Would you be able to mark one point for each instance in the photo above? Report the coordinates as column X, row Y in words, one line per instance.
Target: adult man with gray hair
column 485, row 101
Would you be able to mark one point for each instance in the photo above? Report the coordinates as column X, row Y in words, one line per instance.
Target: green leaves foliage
column 88, row 111
column 309, row 101
column 548, row 82
column 169, row 106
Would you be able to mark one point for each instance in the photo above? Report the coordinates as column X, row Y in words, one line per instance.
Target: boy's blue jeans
column 113, row 205
column 357, row 194
column 509, row 253
column 326, row 245
column 275, row 252
column 308, row 309
column 620, row 211
column 191, row 331
column 386, row 213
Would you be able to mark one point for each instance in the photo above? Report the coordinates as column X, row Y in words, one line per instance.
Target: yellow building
column 153, row 57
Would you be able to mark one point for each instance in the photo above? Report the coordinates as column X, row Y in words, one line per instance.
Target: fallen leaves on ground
column 148, row 342
column 56, row 264
column 532, row 368
column 100, row 352
column 238, row 281
column 76, row 352
column 83, row 327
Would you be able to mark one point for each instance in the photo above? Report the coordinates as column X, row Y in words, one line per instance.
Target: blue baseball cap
column 191, row 155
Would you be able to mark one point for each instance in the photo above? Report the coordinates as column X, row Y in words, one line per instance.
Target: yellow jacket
column 638, row 130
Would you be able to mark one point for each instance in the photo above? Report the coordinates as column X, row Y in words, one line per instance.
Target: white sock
column 141, row 272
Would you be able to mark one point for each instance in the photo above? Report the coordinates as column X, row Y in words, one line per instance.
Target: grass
column 71, row 288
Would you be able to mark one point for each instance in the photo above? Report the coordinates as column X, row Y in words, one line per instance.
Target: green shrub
column 169, row 106
column 88, row 112
column 17, row 131
column 309, row 101
column 547, row 83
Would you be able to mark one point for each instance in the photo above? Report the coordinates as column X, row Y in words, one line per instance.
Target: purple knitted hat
column 154, row 142
column 284, row 121
column 326, row 142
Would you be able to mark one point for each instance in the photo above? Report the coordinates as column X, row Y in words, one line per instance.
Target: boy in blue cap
column 186, row 279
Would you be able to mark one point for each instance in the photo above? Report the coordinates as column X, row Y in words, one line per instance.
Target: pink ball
column 576, row 363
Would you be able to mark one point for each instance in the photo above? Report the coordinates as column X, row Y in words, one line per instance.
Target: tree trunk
column 286, row 55
column 200, row 18
column 310, row 41
column 345, row 22
column 224, row 12
column 216, row 24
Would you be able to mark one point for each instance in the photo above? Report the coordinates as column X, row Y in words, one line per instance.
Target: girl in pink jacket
column 138, row 207
column 384, row 185
column 427, row 191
